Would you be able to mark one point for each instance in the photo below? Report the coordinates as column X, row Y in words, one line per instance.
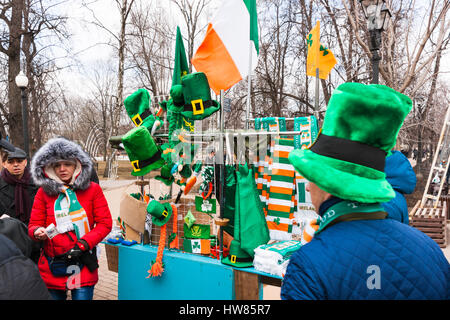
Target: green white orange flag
column 318, row 55
column 180, row 67
column 230, row 48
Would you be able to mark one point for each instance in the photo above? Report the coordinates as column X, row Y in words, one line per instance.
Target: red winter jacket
column 42, row 215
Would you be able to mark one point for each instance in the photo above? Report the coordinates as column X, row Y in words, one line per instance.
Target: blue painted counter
column 186, row 276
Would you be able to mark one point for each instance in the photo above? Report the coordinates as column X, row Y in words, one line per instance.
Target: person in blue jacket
column 402, row 178
column 353, row 251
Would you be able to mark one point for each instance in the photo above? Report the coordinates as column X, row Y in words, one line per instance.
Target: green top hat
column 198, row 104
column 360, row 128
column 238, row 258
column 160, row 212
column 142, row 151
column 138, row 108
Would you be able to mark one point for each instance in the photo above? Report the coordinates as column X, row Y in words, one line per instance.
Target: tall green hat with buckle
column 137, row 106
column 360, row 128
column 237, row 257
column 160, row 212
column 143, row 152
column 198, row 104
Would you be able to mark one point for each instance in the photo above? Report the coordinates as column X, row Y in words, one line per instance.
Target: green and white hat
column 198, row 104
column 143, row 152
column 359, row 130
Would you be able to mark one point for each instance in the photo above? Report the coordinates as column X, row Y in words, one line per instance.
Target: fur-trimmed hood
column 60, row 149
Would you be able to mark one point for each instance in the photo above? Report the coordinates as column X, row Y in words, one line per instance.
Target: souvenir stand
column 231, row 208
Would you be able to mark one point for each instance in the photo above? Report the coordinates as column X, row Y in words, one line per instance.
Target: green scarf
column 343, row 211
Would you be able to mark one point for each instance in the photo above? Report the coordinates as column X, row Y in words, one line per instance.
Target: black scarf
column 21, row 198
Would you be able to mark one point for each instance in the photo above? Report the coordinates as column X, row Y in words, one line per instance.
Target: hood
column 399, row 173
column 60, row 149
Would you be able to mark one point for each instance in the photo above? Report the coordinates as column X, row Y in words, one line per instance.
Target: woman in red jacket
column 71, row 215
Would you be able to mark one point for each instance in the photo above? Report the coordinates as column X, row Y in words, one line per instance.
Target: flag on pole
column 224, row 53
column 181, row 67
column 318, row 55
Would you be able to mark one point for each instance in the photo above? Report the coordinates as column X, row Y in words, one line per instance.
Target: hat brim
column 154, row 166
column 207, row 112
column 342, row 179
column 6, row 145
column 160, row 222
column 227, row 261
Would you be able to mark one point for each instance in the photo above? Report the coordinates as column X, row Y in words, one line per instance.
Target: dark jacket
column 19, row 276
column 403, row 180
column 368, row 259
column 7, row 198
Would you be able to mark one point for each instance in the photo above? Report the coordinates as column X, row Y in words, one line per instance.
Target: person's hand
column 40, row 233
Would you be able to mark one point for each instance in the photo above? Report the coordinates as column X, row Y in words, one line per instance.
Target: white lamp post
column 378, row 16
column 22, row 83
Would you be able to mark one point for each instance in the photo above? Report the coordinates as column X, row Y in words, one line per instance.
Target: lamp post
column 22, row 83
column 378, row 16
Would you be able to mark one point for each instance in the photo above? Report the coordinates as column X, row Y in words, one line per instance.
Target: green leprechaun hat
column 198, row 104
column 137, row 106
column 160, row 212
column 360, row 128
column 238, row 258
column 143, row 152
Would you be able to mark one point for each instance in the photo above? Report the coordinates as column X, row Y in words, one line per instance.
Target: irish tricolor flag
column 230, row 48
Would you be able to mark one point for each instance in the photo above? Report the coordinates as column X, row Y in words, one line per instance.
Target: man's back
column 368, row 259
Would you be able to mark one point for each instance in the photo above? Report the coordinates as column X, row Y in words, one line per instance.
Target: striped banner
column 281, row 196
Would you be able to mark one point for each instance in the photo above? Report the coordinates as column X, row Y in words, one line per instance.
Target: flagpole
column 316, row 100
column 221, row 172
column 249, row 81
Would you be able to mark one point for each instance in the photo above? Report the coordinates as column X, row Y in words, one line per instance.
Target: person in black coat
column 17, row 190
column 19, row 276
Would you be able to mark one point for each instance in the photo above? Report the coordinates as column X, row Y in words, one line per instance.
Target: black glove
column 74, row 253
column 90, row 259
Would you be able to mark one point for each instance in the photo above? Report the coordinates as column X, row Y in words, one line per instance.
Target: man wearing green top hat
column 352, row 251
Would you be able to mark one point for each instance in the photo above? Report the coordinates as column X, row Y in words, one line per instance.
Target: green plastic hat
column 198, row 104
column 160, row 212
column 142, row 151
column 360, row 128
column 138, row 108
column 238, row 258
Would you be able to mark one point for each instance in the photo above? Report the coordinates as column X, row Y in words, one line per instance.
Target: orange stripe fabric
column 213, row 59
column 283, row 172
column 277, row 207
column 281, row 190
column 273, row 226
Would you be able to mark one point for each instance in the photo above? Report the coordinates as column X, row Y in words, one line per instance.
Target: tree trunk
column 14, row 96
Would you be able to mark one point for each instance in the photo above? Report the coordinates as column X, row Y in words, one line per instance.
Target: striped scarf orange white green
column 337, row 210
column 69, row 214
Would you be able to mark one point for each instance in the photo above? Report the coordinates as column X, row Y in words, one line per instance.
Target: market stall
column 230, row 209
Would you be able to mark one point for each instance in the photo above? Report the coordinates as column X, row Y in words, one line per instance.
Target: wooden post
column 246, row 285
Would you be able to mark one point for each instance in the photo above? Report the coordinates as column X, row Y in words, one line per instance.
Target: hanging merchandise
column 207, row 206
column 198, row 246
column 250, row 228
column 308, row 131
column 280, row 208
column 137, row 106
column 229, row 201
column 197, row 231
column 161, row 213
column 198, row 104
column 274, row 258
column 142, row 151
